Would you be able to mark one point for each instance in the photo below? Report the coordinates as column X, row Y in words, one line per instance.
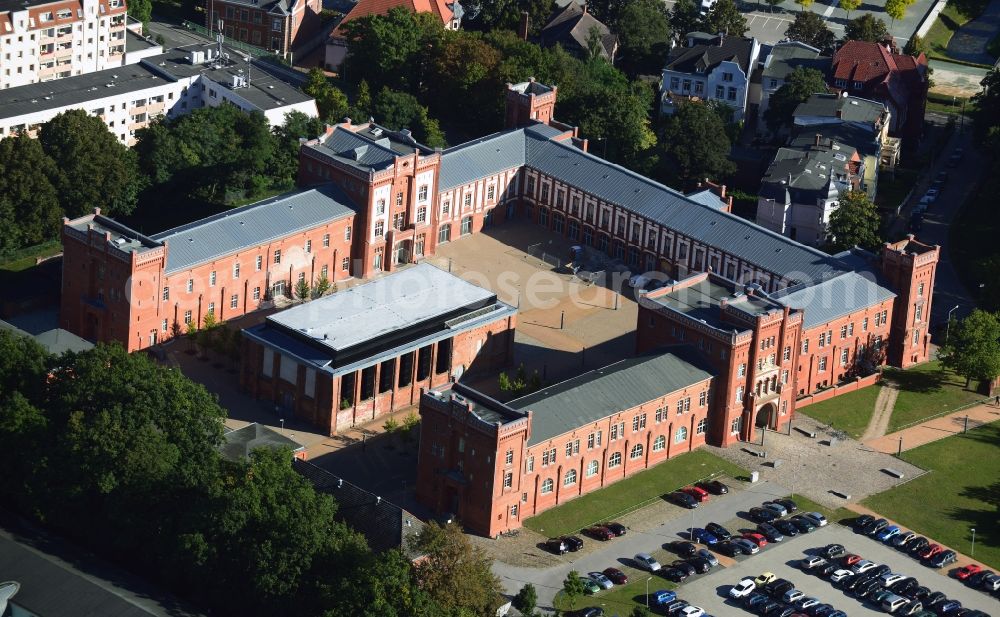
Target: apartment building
column 129, row 97
column 710, row 67
column 42, row 40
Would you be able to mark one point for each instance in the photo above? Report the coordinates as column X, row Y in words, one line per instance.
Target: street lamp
column 972, row 553
column 947, row 329
column 647, row 590
column 282, row 420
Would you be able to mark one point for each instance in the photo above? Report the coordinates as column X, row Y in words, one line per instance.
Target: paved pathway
column 937, row 428
column 884, row 405
column 969, row 42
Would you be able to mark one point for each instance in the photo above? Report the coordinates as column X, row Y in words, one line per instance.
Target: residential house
column 276, row 25
column 710, row 67
column 782, row 59
column 571, row 27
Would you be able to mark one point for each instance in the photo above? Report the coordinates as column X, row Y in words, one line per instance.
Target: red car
column 967, row 571
column 930, row 551
column 600, row 533
column 699, row 494
column 756, row 538
column 617, row 576
column 850, row 559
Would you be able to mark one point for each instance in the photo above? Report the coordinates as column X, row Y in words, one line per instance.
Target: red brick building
column 494, row 464
column 275, row 25
column 364, row 352
column 875, row 71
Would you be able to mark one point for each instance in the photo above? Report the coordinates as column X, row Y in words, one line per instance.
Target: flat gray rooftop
column 388, row 304
column 842, row 295
column 597, row 394
column 239, row 443
column 702, row 301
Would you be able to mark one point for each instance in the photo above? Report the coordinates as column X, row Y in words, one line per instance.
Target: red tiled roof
column 380, row 7
column 879, row 69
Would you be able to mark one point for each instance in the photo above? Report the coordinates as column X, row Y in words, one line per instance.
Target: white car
column 815, row 518
column 742, row 588
column 792, row 595
column 840, row 575
column 932, row 195
column 812, row 562
column 806, row 602
column 891, row 578
column 601, row 580
column 692, row 611
column 647, row 561
column 863, row 566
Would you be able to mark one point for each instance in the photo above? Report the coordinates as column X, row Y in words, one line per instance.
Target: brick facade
column 274, row 26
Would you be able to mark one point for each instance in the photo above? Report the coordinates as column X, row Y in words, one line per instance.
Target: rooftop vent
column 376, row 131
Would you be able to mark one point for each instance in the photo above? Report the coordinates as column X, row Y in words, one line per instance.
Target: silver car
column 646, row 561
column 602, row 581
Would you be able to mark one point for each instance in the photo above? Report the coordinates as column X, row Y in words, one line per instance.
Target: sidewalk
column 932, row 430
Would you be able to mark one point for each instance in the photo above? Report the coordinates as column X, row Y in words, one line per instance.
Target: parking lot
column 711, row 591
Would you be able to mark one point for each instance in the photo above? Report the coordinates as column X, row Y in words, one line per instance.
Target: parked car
column 850, row 559
column 876, row 526
column 683, row 499
column 756, row 538
column 591, row 611
column 778, row 587
column 792, row 595
column 699, row 494
column 932, row 194
column 965, row 572
column 590, row 586
column 691, row 611
column 905, row 587
column 775, row 507
column 662, row 596
column 617, row 576
column 943, row 559
column 762, row 515
column 700, row 564
column 601, row 579
column 808, row 563
column 979, row 578
column 683, row 565
column 742, row 589
column 755, row 600
column 790, row 505
column 684, row 549
column 902, row 538
column 714, row 486
column 770, row 532
column 861, row 523
column 916, row 545
column 929, row 551
column 746, row 546
column 941, row 176
column 675, row 575
column 764, row 578
column 705, row 537
column 600, row 532
column 573, row 543
column 647, row 562
column 718, row 531
column 805, row 602
column 708, row 556
column 833, row 551
column 840, row 575
column 728, row 549
column 935, row 598
column 825, row 570
column 616, row 528
column 816, row 518
column 786, row 527
column 912, row 607
column 675, row 607
column 990, row 582
column 804, row 524
column 887, row 533
column 949, row 607
column 556, row 545
column 891, row 578
column 863, row 566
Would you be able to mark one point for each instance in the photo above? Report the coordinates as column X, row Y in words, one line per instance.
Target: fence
column 536, row 251
column 945, row 413
column 857, row 384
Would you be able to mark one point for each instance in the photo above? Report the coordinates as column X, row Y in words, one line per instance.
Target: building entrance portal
column 765, row 416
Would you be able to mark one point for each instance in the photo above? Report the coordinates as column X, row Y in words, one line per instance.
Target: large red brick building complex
column 356, row 355
column 276, row 25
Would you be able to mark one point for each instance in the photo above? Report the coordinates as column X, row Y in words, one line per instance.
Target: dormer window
column 858, row 85
column 841, row 83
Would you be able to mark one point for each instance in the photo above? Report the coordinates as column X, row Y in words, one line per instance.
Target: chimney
column 818, row 139
column 722, row 38
column 584, row 8
column 522, row 27
column 722, row 191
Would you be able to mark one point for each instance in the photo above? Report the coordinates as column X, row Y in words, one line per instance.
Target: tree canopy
column 643, row 27
column 855, row 222
column 685, row 18
column 973, row 347
column 456, row 574
column 849, row 5
column 725, row 17
column 28, row 180
column 811, row 29
column 800, row 84
column 330, row 101
column 866, row 28
column 696, row 145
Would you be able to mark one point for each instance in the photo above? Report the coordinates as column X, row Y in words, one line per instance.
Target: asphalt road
column 617, row 552
column 711, row 592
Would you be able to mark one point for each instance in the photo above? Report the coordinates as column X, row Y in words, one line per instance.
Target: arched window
column 636, row 451
column 702, row 426
column 615, row 460
column 592, row 468
column 570, row 478
column 659, row 443
column 547, row 485
column 681, row 435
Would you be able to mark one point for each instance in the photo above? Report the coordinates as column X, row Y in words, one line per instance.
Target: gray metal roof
column 708, row 198
column 481, row 158
column 252, row 225
column 238, row 444
column 706, row 56
column 787, row 56
column 808, row 172
column 851, row 108
column 842, row 295
column 387, row 304
column 597, row 394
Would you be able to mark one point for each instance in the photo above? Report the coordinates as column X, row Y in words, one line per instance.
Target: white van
column 893, row 603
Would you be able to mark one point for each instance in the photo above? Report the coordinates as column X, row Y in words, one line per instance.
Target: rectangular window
column 190, row 285
column 259, row 263
column 742, row 371
column 211, row 278
column 843, row 332
column 166, row 293
column 529, row 465
column 422, row 193
column 345, row 264
column 256, row 293
column 920, row 289
column 590, row 441
column 702, row 426
column 277, row 256
column 234, row 301
column 309, row 246
column 614, row 432
column 508, row 480
column 739, row 394
column 702, row 397
column 843, row 357
column 822, row 364
column 379, row 229
column 864, row 325
column 805, row 346
column 421, row 214
column 735, row 426
column 187, row 317
column 788, row 354
column 211, row 308
column 236, row 270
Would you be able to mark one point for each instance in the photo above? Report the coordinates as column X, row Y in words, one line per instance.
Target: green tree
column 895, row 9
column 362, row 108
column 285, row 163
column 330, row 101
column 685, row 18
column 456, row 574
column 973, row 347
column 573, row 585
column 696, row 144
column 26, row 185
column 855, row 222
column 462, row 67
column 399, row 110
column 986, row 111
column 800, row 84
column 321, row 288
column 811, row 29
column 643, row 28
column 916, row 46
column 865, row 28
column 849, row 5
column 389, row 50
column 141, row 10
column 640, row 611
column 526, row 600
column 725, row 17
column 94, row 169
column 805, row 4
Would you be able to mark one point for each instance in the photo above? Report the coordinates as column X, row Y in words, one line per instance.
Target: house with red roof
column 448, row 11
column 875, row 71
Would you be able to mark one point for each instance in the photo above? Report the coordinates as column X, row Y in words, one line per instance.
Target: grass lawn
column 619, row 600
column 837, row 515
column 848, row 412
column 25, row 258
column 955, row 15
column 631, row 493
column 960, row 493
column 926, row 390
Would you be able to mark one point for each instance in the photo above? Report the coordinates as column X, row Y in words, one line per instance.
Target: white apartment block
column 128, row 98
column 42, row 40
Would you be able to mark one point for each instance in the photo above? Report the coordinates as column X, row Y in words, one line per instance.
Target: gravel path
column 884, row 404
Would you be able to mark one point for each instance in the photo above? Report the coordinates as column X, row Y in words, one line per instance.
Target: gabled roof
column 605, row 391
column 703, row 57
column 842, row 295
column 571, row 26
column 846, row 108
column 441, row 8
column 233, row 230
column 872, row 64
column 239, row 443
column 787, row 56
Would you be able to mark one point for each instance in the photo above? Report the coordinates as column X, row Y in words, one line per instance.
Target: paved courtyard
column 810, row 467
